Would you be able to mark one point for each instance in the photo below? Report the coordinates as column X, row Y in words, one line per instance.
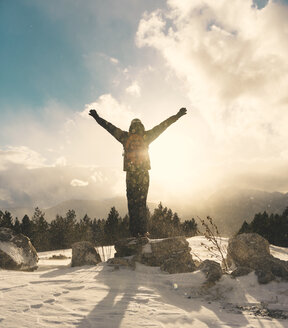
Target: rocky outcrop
column 170, row 254
column 212, row 270
column 16, row 251
column 246, row 247
column 84, row 253
column 123, row 262
column 130, row 246
column 250, row 252
column 241, row 271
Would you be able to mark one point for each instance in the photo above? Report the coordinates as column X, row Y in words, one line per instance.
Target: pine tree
column 6, row 220
column 190, row 228
column 157, row 221
column 83, row 229
column 111, row 226
column 70, row 222
column 164, row 223
column 17, row 226
column 56, row 233
column 98, row 232
column 63, row 231
column 274, row 227
column 26, row 226
column 176, row 225
column 40, row 238
column 245, row 228
column 124, row 231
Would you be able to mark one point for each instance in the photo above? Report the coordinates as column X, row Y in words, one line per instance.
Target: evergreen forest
column 273, row 227
column 65, row 230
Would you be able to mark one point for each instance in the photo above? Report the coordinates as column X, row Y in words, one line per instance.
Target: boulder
column 244, row 248
column 241, row 271
column 84, row 253
column 178, row 263
column 170, row 254
column 250, row 252
column 130, row 246
column 212, row 270
column 269, row 268
column 264, row 277
column 118, row 262
column 16, row 251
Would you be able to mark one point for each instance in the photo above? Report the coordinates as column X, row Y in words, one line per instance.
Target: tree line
column 273, row 227
column 65, row 230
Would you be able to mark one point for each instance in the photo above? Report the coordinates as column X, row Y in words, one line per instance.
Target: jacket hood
column 136, row 127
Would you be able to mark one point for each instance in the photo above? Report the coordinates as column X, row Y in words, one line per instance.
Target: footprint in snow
column 50, row 301
column 75, row 288
column 36, row 306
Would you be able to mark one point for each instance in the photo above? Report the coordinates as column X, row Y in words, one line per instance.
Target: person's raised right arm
column 112, row 129
column 158, row 129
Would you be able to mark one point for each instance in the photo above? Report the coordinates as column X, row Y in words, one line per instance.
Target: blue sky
column 223, row 60
column 43, row 45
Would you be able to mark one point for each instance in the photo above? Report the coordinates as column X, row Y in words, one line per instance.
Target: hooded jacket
column 136, row 142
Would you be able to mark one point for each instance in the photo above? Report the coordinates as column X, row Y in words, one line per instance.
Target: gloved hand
column 182, row 111
column 93, row 113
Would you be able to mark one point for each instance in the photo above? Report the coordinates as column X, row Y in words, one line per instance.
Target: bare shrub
column 216, row 249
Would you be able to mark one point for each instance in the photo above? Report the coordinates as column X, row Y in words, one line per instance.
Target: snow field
column 57, row 295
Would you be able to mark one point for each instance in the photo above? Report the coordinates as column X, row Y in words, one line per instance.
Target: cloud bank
column 232, row 58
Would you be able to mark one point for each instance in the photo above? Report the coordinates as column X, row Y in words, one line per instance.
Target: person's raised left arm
column 158, row 129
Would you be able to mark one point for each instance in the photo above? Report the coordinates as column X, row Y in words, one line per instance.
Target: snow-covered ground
column 57, row 295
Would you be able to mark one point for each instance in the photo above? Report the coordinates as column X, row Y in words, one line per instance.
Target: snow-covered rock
column 170, row 254
column 130, row 246
column 211, row 269
column 243, row 248
column 84, row 253
column 250, row 251
column 16, row 251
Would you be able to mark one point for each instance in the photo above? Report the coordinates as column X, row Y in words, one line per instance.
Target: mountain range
column 228, row 207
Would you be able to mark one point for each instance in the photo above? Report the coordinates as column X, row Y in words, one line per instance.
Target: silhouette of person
column 137, row 164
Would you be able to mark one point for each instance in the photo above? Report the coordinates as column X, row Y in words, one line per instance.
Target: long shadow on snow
column 110, row 311
column 140, row 288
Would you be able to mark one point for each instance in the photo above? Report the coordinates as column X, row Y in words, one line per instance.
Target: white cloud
column 232, row 58
column 5, row 197
column 78, row 183
column 134, row 89
column 21, row 156
column 110, row 108
column 114, row 60
column 47, row 186
column 61, row 161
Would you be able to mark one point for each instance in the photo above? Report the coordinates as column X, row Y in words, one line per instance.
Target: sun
column 172, row 163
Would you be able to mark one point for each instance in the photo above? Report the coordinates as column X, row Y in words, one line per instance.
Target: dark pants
column 137, row 184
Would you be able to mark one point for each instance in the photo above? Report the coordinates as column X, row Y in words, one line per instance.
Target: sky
column 225, row 61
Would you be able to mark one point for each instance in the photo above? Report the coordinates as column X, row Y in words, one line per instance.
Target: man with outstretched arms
column 136, row 142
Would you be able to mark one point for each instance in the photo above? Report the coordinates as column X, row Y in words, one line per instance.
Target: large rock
column 241, row 271
column 212, row 270
column 123, row 262
column 16, row 251
column 170, row 254
column 246, row 247
column 250, row 252
column 130, row 246
column 84, row 253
